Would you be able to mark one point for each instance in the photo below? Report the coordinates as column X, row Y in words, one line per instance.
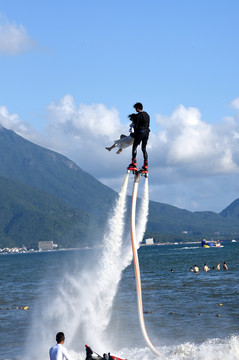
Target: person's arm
column 65, row 353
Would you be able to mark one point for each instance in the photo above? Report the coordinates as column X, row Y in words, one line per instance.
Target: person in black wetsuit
column 141, row 135
column 89, row 352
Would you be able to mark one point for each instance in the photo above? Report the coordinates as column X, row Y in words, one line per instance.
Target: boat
column 92, row 355
column 208, row 244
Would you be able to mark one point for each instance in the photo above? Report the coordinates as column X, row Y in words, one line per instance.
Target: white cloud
column 235, row 103
column 12, row 121
column 188, row 157
column 194, row 146
column 82, row 132
column 14, row 39
column 96, row 119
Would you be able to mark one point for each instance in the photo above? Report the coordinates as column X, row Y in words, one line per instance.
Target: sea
column 90, row 295
column 187, row 315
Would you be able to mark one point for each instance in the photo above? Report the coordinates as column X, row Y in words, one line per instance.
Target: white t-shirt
column 124, row 142
column 59, row 352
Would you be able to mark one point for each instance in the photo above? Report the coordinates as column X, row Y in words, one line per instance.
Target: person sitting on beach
column 218, row 266
column 225, row 266
column 196, row 269
column 206, row 268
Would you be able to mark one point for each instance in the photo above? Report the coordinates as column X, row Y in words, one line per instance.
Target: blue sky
column 72, row 70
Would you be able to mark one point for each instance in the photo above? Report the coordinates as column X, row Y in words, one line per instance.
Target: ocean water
column 187, row 315
column 90, row 295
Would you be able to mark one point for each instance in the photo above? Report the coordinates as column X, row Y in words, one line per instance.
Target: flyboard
column 137, row 175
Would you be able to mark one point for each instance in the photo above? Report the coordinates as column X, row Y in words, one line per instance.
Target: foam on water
column 213, row 349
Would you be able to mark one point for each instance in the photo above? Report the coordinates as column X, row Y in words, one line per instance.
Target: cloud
column 186, row 154
column 95, row 120
column 82, row 132
column 14, row 39
column 12, row 122
column 235, row 103
column 189, row 145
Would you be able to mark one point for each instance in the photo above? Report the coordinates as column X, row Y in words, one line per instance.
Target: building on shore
column 45, row 245
column 149, row 241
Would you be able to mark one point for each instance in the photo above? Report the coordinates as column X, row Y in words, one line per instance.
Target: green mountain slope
column 53, row 173
column 29, row 215
column 175, row 223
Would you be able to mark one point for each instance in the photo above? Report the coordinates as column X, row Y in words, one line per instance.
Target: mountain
column 29, row 215
column 231, row 211
column 169, row 223
column 53, row 173
column 35, row 179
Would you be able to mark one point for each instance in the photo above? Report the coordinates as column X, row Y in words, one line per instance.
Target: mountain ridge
column 54, row 174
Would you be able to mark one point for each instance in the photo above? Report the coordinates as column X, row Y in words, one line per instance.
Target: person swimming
column 196, row 269
column 225, row 266
column 206, row 268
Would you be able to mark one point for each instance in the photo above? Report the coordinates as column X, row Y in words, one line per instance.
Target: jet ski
column 92, row 355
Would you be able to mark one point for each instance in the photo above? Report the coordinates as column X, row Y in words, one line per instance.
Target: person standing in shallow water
column 141, row 135
column 196, row 269
column 225, row 266
column 206, row 268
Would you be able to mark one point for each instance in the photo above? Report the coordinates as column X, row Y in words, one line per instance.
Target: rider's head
column 138, row 106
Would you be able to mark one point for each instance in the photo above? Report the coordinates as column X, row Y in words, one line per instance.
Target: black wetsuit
column 141, row 133
column 89, row 352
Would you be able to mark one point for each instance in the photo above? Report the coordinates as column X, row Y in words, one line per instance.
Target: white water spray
column 142, row 218
column 108, row 274
column 81, row 304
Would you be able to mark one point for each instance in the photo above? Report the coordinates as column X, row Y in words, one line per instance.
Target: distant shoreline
column 172, row 243
column 15, row 252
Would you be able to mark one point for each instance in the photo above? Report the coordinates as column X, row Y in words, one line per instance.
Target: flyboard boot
column 144, row 170
column 133, row 166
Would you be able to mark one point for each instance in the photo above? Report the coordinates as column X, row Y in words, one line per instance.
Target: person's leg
column 133, row 164
column 119, row 151
column 145, row 154
column 143, row 147
column 111, row 147
column 134, row 147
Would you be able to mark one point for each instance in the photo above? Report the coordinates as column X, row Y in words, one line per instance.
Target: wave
column 212, row 349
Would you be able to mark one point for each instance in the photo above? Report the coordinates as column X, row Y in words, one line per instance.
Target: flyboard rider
column 141, row 135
